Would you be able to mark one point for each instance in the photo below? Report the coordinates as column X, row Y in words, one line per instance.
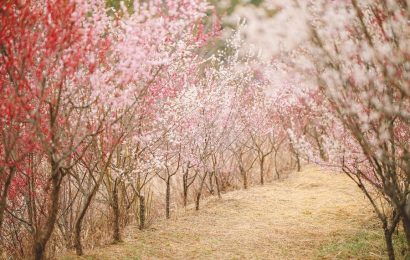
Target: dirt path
column 291, row 219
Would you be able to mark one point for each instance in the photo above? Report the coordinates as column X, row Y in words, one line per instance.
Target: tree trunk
column 211, row 184
column 198, row 199
column 298, row 162
column 406, row 227
column 389, row 242
column 42, row 235
column 116, row 212
column 296, row 157
column 262, row 162
column 405, row 212
column 218, row 188
column 77, row 239
column 78, row 224
column 199, row 193
column 3, row 199
column 142, row 212
column 322, row 152
column 39, row 248
column 167, row 198
column 245, row 179
column 185, row 186
column 276, row 164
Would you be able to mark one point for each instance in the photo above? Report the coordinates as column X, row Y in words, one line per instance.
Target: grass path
column 310, row 215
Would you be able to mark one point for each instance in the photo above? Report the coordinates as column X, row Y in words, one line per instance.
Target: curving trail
column 289, row 219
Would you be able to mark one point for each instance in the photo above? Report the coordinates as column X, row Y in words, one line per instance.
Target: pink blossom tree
column 358, row 53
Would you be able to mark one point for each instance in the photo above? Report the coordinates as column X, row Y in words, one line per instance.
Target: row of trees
column 103, row 112
column 355, row 58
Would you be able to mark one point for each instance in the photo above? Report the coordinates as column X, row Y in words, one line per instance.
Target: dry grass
column 305, row 216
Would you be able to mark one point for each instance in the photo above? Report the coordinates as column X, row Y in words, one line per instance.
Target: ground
column 309, row 215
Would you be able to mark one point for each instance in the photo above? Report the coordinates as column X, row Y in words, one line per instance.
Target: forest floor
column 309, row 215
